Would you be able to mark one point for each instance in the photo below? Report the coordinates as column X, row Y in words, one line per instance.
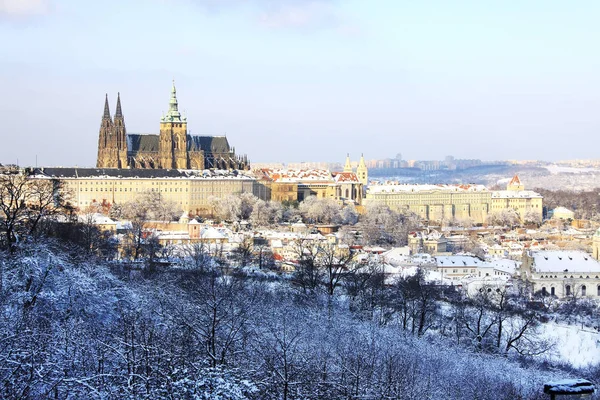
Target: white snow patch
column 579, row 347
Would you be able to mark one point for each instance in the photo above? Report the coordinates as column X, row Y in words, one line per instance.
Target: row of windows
column 569, row 290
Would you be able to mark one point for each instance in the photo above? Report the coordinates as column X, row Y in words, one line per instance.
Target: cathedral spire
column 118, row 113
column 106, row 108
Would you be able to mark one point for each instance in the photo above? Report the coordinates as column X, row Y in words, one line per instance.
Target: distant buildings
column 448, row 163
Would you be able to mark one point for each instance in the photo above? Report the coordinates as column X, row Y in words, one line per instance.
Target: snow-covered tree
column 321, row 211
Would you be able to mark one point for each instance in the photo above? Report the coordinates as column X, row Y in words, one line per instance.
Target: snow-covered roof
column 564, row 261
column 296, row 175
column 396, row 187
column 433, row 235
column 458, row 261
column 96, row 218
column 396, row 253
column 211, row 233
column 511, row 194
column 505, row 265
column 345, row 177
column 562, row 210
column 173, row 235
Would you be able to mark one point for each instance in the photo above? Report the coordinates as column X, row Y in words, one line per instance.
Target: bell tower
column 362, row 172
column 173, row 137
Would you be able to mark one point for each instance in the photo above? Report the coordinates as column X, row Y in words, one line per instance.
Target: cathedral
column 172, row 148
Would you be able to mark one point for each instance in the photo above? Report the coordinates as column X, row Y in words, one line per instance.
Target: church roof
column 210, row 144
column 145, row 143
column 344, row 177
column 150, row 143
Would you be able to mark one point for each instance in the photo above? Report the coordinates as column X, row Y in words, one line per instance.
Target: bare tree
column 25, row 202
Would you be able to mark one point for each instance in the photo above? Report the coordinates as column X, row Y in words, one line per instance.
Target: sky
column 306, row 80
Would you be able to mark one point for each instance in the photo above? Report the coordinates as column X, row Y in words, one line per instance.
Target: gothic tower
column 361, row 172
column 105, row 138
column 120, row 134
column 112, row 140
column 173, row 137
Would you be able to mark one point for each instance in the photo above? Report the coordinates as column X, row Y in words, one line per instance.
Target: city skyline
column 305, row 80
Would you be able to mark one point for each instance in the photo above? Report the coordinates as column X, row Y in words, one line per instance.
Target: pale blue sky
column 306, row 80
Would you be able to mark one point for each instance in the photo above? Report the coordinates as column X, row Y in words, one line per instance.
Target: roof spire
column 106, row 108
column 348, row 165
column 118, row 113
column 173, row 114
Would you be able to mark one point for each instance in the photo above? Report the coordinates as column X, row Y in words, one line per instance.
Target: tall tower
column 348, row 165
column 173, row 137
column 120, row 134
column 105, row 138
column 361, row 172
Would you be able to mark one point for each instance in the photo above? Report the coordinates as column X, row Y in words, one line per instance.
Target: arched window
column 598, row 290
column 568, row 290
column 544, row 292
column 583, row 290
column 553, row 293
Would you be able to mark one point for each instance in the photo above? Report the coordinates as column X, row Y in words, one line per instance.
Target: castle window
column 552, row 291
column 568, row 290
column 583, row 290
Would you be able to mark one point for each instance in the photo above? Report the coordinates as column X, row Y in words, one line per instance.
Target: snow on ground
column 557, row 169
column 579, row 347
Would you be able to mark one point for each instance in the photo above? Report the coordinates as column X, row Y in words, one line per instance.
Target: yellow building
column 515, row 196
column 321, row 183
column 446, row 202
column 194, row 191
column 434, row 202
column 596, row 245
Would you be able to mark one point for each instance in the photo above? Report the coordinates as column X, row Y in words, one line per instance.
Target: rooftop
column 564, row 261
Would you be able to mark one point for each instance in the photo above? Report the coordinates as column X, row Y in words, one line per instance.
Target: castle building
column 434, row 202
column 447, row 202
column 172, row 148
column 516, row 197
column 298, row 184
column 195, row 192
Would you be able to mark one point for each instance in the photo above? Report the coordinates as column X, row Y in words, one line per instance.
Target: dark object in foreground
column 569, row 387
